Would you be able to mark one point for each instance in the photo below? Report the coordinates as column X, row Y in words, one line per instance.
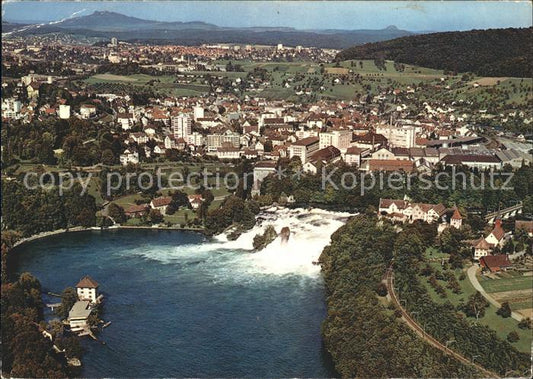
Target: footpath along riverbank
column 95, row 228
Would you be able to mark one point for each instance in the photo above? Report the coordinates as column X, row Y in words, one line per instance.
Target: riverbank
column 34, row 237
column 155, row 227
column 95, row 228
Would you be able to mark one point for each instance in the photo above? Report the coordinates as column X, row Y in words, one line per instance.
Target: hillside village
column 289, row 118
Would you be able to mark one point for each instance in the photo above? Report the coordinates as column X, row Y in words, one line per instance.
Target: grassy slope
column 502, row 326
column 371, row 75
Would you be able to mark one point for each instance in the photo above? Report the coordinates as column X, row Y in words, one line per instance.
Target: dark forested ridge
column 365, row 337
column 493, row 52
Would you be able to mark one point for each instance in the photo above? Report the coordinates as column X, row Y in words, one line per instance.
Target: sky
column 408, row 15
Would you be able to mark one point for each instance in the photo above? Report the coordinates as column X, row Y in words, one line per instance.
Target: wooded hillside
column 493, row 52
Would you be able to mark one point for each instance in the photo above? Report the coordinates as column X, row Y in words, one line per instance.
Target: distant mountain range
column 493, row 52
column 105, row 24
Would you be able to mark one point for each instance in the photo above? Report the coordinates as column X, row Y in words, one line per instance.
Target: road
column 475, row 283
column 428, row 338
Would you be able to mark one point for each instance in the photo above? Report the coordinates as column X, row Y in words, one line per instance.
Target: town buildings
column 486, row 245
column 181, row 126
column 406, row 211
column 340, row 139
column 304, row 148
column 398, row 136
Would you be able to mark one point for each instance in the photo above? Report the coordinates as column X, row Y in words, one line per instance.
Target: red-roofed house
column 195, row 200
column 457, row 220
column 481, row 248
column 161, row 203
column 495, row 263
column 137, row 210
column 390, row 165
column 484, row 246
column 87, row 289
column 527, row 226
column 496, row 237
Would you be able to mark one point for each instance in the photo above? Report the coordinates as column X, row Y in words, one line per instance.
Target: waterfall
column 311, row 231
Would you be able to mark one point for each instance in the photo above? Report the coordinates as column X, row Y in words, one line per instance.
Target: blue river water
column 182, row 306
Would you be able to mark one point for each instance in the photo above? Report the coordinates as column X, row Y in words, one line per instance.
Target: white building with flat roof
column 79, row 314
column 340, row 139
column 64, row 111
column 398, row 136
column 181, row 126
column 304, row 148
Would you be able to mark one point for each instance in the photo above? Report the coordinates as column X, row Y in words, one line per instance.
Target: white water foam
column 310, row 233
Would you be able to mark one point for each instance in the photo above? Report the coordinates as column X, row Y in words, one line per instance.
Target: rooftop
column 87, row 282
column 80, row 310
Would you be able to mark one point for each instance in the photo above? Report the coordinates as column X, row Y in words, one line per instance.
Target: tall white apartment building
column 398, row 136
column 199, row 112
column 304, row 148
column 181, row 126
column 11, row 108
column 338, row 138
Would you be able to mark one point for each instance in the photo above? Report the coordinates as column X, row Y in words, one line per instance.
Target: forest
column 25, row 352
column 364, row 336
column 493, row 52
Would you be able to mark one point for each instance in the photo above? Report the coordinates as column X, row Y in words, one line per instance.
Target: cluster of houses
column 88, row 299
column 407, row 211
column 160, row 204
column 324, row 132
column 484, row 248
column 318, row 140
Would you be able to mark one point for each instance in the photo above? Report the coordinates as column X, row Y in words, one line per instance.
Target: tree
column 69, row 296
column 71, row 345
column 179, row 199
column 86, row 218
column 525, row 323
column 108, row 157
column 56, row 328
column 381, row 289
column 202, row 211
column 475, row 306
column 508, row 247
column 116, row 212
column 155, row 216
column 513, row 337
column 505, row 310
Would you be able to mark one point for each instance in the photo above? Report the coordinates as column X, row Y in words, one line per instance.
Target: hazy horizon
column 347, row 15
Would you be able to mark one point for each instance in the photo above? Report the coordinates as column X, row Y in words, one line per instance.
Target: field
column 114, row 78
column 343, row 81
column 488, row 81
column 502, row 326
column 94, row 183
column 512, row 287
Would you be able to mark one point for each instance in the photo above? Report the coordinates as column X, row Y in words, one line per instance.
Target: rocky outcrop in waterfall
column 262, row 240
column 285, row 234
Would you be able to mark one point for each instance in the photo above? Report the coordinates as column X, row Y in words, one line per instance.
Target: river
column 182, row 305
